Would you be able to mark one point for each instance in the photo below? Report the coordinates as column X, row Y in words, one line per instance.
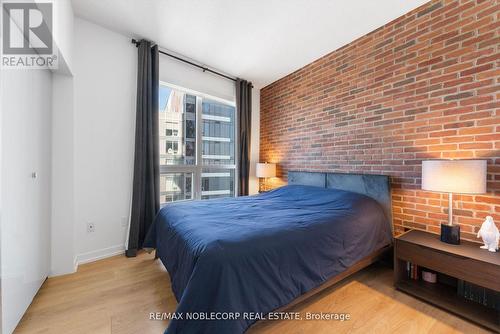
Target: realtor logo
column 27, row 35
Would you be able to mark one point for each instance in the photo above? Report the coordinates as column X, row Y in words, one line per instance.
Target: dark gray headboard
column 375, row 186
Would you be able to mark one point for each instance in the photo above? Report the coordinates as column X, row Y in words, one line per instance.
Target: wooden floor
column 116, row 295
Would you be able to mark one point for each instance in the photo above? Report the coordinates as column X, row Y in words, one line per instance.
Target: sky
column 164, row 94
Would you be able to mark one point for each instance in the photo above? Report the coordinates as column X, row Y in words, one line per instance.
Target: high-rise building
column 212, row 170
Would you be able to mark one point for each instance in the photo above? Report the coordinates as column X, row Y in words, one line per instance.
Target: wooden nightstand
column 453, row 265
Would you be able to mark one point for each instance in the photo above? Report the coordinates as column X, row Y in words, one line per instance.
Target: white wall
column 254, row 141
column 1, row 191
column 62, row 216
column 26, row 149
column 184, row 75
column 62, row 32
column 104, row 121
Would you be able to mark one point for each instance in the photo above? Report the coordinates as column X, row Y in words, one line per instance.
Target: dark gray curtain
column 146, row 186
column 244, row 108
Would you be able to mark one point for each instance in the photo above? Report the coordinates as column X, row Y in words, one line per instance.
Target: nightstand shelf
column 456, row 262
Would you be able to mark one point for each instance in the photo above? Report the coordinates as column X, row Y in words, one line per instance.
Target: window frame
column 197, row 168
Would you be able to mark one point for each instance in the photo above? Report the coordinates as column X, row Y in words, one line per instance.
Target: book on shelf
column 412, row 270
column 478, row 294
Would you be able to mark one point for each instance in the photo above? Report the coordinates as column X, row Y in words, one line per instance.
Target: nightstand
column 454, row 265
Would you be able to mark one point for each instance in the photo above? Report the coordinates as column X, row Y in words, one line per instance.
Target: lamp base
column 450, row 234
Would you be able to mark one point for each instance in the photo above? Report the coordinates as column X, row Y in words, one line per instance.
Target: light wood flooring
column 116, row 295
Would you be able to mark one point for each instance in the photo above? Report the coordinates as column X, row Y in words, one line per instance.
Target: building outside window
column 197, row 145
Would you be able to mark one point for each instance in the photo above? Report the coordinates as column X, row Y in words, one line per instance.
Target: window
column 172, row 147
column 197, row 145
column 176, row 186
column 171, row 129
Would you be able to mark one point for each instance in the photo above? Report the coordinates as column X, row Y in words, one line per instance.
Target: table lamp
column 453, row 176
column 265, row 170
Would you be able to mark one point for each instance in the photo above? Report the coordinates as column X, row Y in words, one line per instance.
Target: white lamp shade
column 454, row 176
column 265, row 170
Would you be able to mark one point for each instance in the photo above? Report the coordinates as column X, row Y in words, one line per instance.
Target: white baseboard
column 65, row 271
column 98, row 254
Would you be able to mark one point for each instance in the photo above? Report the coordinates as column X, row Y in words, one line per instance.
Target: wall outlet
column 90, row 227
column 124, row 221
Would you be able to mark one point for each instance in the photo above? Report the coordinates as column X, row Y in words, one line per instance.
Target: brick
column 488, row 74
column 443, row 78
column 429, row 9
column 488, row 59
column 475, row 84
column 458, row 96
column 459, row 38
column 481, row 38
column 460, row 139
column 444, row 64
column 485, row 199
column 475, row 100
column 405, row 57
column 458, row 125
column 476, row 24
column 489, row 11
column 404, row 46
column 460, row 9
column 476, row 9
column 424, row 86
column 457, row 82
column 403, row 82
column 476, row 146
column 476, row 130
column 476, row 115
column 489, row 137
column 447, row 147
column 457, row 155
column 384, row 43
column 430, row 61
column 476, row 70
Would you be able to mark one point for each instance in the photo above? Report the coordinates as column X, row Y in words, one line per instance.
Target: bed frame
column 374, row 186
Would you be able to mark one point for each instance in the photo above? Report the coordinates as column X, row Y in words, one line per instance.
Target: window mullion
column 199, row 141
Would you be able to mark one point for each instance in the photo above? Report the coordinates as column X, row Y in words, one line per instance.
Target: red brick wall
column 423, row 86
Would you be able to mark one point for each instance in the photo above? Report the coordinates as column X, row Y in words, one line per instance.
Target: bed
column 233, row 260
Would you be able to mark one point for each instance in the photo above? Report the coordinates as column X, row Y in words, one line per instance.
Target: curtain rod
column 205, row 69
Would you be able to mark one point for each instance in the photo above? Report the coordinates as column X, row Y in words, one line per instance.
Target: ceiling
column 258, row 40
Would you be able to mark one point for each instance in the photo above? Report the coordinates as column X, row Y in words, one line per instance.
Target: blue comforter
column 254, row 254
